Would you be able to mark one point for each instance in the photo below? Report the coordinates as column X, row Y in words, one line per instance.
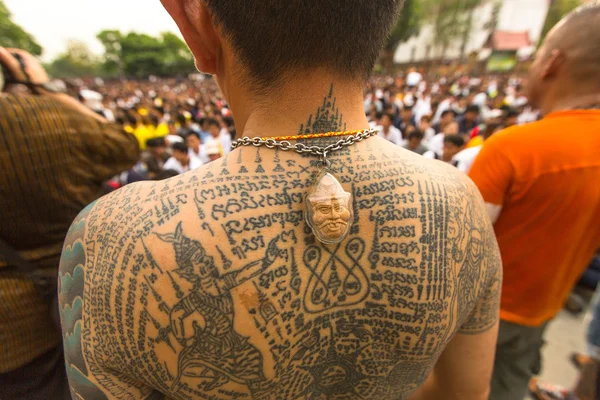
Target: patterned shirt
column 53, row 161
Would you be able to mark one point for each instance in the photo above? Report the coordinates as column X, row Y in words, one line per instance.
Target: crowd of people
column 182, row 124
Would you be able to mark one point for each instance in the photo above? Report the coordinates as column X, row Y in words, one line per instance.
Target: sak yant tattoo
column 211, row 286
column 328, row 117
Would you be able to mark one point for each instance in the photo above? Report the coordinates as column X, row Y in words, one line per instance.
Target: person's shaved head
column 577, row 36
column 569, row 58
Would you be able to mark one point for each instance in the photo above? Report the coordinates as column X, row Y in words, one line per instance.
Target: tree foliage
column 140, row 55
column 12, row 35
column 76, row 62
column 407, row 25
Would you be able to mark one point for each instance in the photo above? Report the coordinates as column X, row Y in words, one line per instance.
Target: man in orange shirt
column 541, row 183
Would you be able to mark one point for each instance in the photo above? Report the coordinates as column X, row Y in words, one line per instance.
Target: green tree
column 406, row 26
column 558, row 9
column 112, row 63
column 178, row 57
column 140, row 55
column 76, row 62
column 12, row 35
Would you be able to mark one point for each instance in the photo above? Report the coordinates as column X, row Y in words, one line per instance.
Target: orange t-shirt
column 546, row 177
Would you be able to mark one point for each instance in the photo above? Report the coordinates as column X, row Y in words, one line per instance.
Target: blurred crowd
column 181, row 124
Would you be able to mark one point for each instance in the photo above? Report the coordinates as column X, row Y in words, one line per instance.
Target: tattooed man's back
column 213, row 285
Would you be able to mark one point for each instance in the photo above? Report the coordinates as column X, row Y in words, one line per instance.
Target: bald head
column 577, row 38
column 566, row 70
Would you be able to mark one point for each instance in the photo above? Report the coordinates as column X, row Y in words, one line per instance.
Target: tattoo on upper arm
column 210, row 286
column 71, row 297
column 482, row 255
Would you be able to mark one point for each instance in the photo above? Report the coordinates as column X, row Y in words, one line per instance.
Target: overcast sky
column 54, row 22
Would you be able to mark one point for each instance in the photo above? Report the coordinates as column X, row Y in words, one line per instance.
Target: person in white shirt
column 220, row 135
column 427, row 129
column 388, row 131
column 196, row 148
column 181, row 161
column 436, row 144
column 413, row 78
column 453, row 144
column 464, row 160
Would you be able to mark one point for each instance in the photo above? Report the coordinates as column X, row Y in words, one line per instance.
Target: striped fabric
column 53, row 161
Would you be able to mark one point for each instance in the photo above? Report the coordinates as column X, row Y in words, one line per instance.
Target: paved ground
column 565, row 335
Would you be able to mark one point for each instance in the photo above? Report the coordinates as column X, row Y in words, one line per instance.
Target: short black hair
column 180, row 146
column 390, row 115
column 446, row 112
column 273, row 38
column 156, row 142
column 416, row 134
column 456, row 140
column 181, row 119
column 214, row 122
column 193, row 133
column 229, row 121
column 473, row 108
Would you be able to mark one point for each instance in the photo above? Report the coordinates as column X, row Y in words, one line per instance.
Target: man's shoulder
column 428, row 169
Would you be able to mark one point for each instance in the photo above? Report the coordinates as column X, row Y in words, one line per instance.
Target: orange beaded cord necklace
column 315, row 135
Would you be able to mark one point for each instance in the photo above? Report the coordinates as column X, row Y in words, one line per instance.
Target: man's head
column 472, row 113
column 386, row 120
column 193, row 141
column 214, row 128
column 568, row 62
column 447, row 117
column 156, row 147
column 414, row 139
column 213, row 150
column 180, row 153
column 453, row 144
column 260, row 44
column 406, row 114
column 203, row 122
column 182, row 121
column 451, row 128
column 425, row 122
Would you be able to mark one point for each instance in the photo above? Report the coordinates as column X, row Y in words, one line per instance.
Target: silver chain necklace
column 301, row 148
column 329, row 209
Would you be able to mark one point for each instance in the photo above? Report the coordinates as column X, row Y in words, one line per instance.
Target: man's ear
column 553, row 64
column 196, row 25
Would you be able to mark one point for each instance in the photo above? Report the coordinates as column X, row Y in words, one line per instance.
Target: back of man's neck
column 311, row 105
column 571, row 103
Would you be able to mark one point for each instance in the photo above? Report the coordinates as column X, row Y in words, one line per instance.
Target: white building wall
column 524, row 15
column 514, row 16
